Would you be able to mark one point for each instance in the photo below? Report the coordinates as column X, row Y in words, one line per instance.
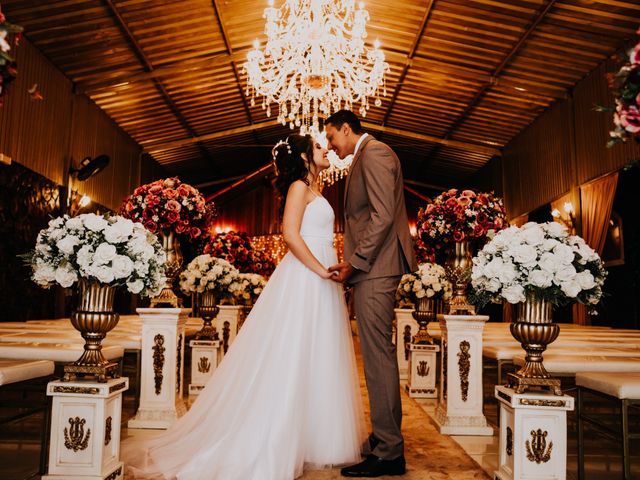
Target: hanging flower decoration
column 456, row 216
column 8, row 66
column 236, row 248
column 626, row 90
column 169, row 205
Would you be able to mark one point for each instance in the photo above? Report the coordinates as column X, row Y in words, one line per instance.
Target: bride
column 286, row 396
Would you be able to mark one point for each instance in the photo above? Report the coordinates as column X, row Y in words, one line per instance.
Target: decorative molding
column 509, row 441
column 423, row 368
column 445, row 354
column 115, row 474
column 204, row 365
column 535, row 402
column 464, row 367
column 504, row 396
column 226, row 329
column 158, row 361
column 537, row 450
column 406, row 341
column 80, row 390
column 107, row 431
column 178, row 363
column 74, row 437
column 117, row 387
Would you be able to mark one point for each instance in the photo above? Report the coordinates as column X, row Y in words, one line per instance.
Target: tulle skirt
column 286, row 396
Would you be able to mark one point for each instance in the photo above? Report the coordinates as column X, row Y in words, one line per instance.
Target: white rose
column 533, row 235
column 507, row 274
column 493, row 268
column 555, row 229
column 565, row 273
column 94, row 222
column 43, row 248
column 513, row 294
column 549, row 244
column 85, row 256
column 135, row 287
column 57, row 234
column 548, row 262
column 56, row 222
column 103, row 273
column 490, row 248
column 44, row 274
column 541, row 278
column 524, row 254
column 141, row 268
column 65, row 276
column 585, row 280
column 75, row 223
column 104, row 254
column 66, row 244
column 119, row 231
column 571, row 288
column 564, row 253
column 122, row 266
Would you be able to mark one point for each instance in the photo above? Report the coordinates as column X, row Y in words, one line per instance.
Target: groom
column 377, row 251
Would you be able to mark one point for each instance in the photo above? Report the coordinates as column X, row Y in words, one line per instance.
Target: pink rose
column 183, row 190
column 173, row 206
column 479, row 231
column 468, row 193
column 630, row 119
column 170, row 182
column 155, row 189
column 634, row 56
column 152, row 200
column 148, row 213
column 170, row 193
column 453, row 191
column 464, row 201
column 172, row 217
column 430, row 208
column 195, row 232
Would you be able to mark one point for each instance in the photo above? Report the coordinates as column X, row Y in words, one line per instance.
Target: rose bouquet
column 169, row 206
column 8, row 66
column 455, row 216
column 247, row 287
column 428, row 282
column 539, row 259
column 206, row 273
column 626, row 89
column 236, row 248
column 107, row 250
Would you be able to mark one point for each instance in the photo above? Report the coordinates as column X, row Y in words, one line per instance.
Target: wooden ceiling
column 466, row 75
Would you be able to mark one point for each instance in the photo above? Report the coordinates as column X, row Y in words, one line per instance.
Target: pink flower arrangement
column 456, row 216
column 8, row 66
column 236, row 248
column 626, row 89
column 169, row 205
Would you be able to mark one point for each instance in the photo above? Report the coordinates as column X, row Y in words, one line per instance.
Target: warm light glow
column 315, row 62
column 555, row 213
column 412, row 229
column 84, row 201
column 224, row 229
column 568, row 207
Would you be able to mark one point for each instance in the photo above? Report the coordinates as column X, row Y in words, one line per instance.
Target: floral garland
column 108, row 250
column 236, row 248
column 455, row 216
column 538, row 259
column 8, row 66
column 429, row 281
column 626, row 89
column 169, row 205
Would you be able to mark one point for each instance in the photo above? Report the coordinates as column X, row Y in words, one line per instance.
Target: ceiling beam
column 412, row 52
column 146, row 64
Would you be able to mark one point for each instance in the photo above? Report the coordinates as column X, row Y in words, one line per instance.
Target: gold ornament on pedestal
column 208, row 310
column 94, row 317
column 424, row 313
column 173, row 266
column 458, row 267
column 534, row 329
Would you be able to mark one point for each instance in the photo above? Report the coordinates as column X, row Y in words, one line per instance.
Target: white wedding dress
column 286, row 396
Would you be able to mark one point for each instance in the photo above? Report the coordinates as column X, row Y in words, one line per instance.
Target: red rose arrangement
column 8, row 66
column 626, row 89
column 236, row 248
column 456, row 216
column 169, row 205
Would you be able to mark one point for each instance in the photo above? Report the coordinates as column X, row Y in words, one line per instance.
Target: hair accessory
column 274, row 151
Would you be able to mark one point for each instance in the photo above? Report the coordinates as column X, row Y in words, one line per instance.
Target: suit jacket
column 377, row 241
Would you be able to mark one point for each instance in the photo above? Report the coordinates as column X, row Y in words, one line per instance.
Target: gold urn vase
column 93, row 318
column 458, row 269
column 208, row 310
column 424, row 313
column 534, row 329
column 171, row 247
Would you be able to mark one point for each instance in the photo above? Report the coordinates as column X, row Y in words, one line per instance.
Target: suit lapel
column 353, row 164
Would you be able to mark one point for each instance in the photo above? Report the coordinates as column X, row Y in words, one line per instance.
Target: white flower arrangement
column 247, row 287
column 108, row 250
column 539, row 259
column 207, row 273
column 429, row 281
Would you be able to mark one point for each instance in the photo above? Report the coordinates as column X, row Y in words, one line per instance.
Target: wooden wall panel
column 537, row 165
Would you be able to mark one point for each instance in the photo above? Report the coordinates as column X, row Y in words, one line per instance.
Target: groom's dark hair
column 345, row 116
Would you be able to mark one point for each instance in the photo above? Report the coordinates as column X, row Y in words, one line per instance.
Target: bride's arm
column 297, row 199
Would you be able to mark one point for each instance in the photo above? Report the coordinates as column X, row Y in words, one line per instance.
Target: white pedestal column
column 533, row 435
column 161, row 400
column 406, row 328
column 459, row 410
column 227, row 323
column 85, row 430
column 204, row 360
column 422, row 371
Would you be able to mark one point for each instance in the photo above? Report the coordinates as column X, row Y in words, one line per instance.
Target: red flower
column 479, row 231
column 152, row 200
column 128, row 207
column 468, row 193
column 151, row 226
column 155, row 189
column 172, row 217
column 464, row 201
column 184, row 190
column 458, row 236
column 169, row 193
column 173, row 206
column 195, row 232
column 634, row 57
column 482, row 217
column 451, row 203
column 630, row 119
column 148, row 213
column 170, row 182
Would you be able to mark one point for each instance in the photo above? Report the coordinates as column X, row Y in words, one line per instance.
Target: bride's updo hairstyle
column 290, row 166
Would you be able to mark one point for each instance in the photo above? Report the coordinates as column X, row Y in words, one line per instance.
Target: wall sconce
column 76, row 202
column 84, row 201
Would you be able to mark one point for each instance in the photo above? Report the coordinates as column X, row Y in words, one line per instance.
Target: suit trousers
column 373, row 302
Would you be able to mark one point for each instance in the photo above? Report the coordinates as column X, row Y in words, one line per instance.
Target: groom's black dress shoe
column 375, row 467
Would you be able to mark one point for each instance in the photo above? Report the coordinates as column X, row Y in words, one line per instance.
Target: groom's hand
column 344, row 271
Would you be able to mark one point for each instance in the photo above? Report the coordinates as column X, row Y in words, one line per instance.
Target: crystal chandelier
column 315, row 62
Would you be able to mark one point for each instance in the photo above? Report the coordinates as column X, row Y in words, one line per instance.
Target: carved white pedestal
column 406, row 328
column 422, row 371
column 459, row 410
column 85, row 430
column 227, row 323
column 161, row 400
column 533, row 435
column 204, row 360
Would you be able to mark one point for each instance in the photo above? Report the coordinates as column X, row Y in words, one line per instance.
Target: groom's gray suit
column 378, row 244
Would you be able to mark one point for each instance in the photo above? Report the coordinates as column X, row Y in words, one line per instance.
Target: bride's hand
column 327, row 275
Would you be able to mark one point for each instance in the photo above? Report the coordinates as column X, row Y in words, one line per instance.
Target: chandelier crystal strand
column 315, row 62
